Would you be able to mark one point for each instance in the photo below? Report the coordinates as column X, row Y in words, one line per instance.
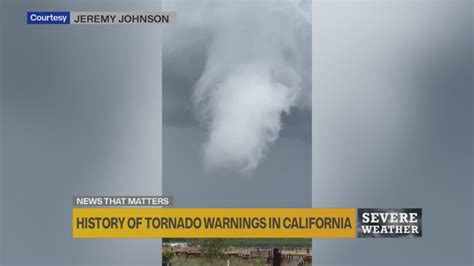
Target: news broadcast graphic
column 396, row 223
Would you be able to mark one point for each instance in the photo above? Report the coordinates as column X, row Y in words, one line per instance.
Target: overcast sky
column 282, row 178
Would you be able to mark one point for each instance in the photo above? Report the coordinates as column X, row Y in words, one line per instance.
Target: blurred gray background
column 81, row 115
column 392, row 124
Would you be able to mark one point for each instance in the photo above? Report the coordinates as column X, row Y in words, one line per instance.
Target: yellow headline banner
column 214, row 223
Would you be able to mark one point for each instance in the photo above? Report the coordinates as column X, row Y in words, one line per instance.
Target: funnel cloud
column 252, row 78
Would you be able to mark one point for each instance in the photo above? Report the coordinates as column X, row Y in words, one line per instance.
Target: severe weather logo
column 393, row 223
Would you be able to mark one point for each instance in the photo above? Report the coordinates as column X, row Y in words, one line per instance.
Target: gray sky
column 283, row 177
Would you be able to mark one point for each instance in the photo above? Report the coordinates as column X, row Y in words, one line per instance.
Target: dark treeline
column 244, row 242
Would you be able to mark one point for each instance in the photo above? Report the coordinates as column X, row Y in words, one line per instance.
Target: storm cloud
column 253, row 75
